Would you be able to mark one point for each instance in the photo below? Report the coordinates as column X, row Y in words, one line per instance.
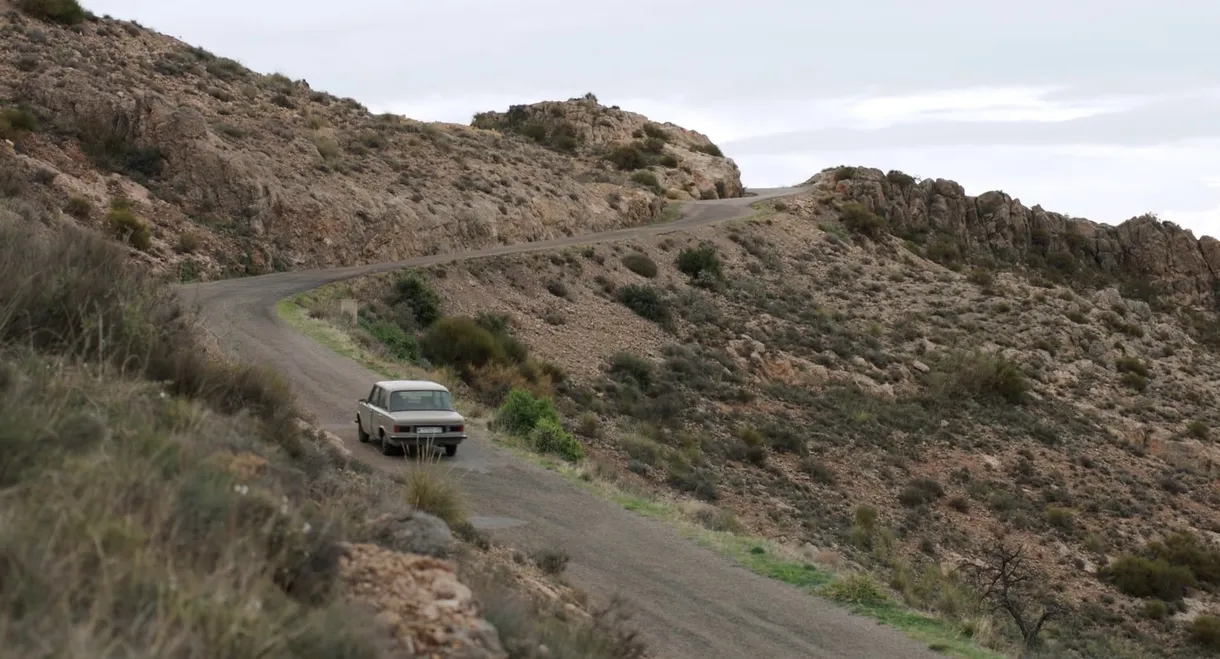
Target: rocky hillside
column 209, row 169
column 686, row 164
column 1141, row 255
column 905, row 406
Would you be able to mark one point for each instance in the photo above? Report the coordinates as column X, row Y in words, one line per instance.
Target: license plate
column 428, row 430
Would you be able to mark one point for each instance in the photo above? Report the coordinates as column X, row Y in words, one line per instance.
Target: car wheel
column 386, row 447
column 360, row 434
column 451, row 450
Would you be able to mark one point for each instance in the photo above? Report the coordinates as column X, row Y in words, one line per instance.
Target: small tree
column 1005, row 582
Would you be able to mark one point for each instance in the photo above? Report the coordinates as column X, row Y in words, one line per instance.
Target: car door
column 368, row 412
column 381, row 414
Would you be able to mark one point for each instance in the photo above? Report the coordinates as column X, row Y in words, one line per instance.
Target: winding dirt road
column 688, row 601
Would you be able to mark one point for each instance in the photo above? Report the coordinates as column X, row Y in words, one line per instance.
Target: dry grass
column 157, row 501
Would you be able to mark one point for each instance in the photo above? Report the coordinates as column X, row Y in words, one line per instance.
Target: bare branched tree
column 1006, row 583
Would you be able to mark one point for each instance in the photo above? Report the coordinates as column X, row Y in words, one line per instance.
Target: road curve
column 688, row 601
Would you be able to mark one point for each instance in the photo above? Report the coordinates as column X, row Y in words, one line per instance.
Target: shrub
column 1131, row 365
column 818, row 471
column 627, row 366
column 859, row 219
column 128, row 228
column 557, row 288
column 459, row 342
column 1205, row 631
column 1060, row 518
column 522, row 412
column 900, row 179
column 402, row 346
column 920, row 491
column 646, row 302
column 710, row 149
column 78, row 207
column 640, row 264
column 645, row 178
column 550, row 561
column 430, row 491
column 981, row 376
column 627, row 157
column 655, row 131
column 548, row 436
column 1198, row 430
column 414, row 291
column 15, row 122
column 694, row 261
column 65, row 12
column 856, row 588
column 1138, row 576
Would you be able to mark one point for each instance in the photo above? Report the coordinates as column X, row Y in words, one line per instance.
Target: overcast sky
column 1097, row 108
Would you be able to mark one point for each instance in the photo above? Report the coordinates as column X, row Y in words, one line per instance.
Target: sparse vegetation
column 128, row 227
column 640, row 264
column 65, row 12
column 645, row 301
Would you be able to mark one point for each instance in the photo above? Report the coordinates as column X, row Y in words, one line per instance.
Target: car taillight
column 402, row 428
column 459, row 428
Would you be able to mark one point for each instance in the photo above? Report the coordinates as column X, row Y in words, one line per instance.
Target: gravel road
column 689, row 602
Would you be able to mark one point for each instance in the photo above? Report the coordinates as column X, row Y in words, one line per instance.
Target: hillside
column 878, row 396
column 228, row 172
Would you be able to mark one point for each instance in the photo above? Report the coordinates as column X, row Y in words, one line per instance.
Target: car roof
column 400, row 385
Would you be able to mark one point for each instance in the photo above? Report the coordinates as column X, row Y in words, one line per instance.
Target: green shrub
column 710, row 149
column 646, row 302
column 627, row 157
column 1188, row 550
column 65, row 12
column 859, row 219
column 15, row 122
column 459, row 342
column 1155, row 610
column 1205, row 631
column 668, row 160
column 522, row 411
column 402, row 346
column 1138, row 576
column 1198, row 430
column 640, row 264
column 627, row 366
column 414, row 291
column 900, row 179
column 655, row 131
column 1131, row 365
column 856, row 588
column 646, row 178
column 129, row 228
column 980, row 376
column 78, row 207
column 694, row 261
column 920, row 491
column 549, row 436
column 845, row 173
column 1134, row 381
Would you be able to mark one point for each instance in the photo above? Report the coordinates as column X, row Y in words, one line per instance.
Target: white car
column 408, row 414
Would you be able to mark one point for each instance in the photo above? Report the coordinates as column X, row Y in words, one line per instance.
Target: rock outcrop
column 1142, row 250
column 687, row 163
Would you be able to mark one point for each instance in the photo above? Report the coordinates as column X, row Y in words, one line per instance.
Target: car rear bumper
column 413, row 439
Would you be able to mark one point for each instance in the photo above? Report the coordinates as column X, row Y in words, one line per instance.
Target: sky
column 1104, row 109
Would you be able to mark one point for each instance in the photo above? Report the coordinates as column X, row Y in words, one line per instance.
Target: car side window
column 376, row 400
column 372, row 395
